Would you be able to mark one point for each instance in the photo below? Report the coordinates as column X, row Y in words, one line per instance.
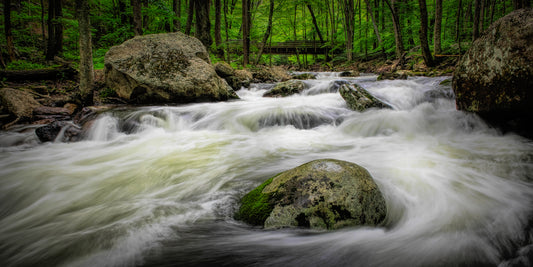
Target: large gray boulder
column 321, row 194
column 494, row 78
column 359, row 99
column 163, row 68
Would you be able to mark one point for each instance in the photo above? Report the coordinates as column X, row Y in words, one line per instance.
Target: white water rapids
column 158, row 186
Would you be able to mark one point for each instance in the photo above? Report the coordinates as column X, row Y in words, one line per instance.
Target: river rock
column 321, row 194
column 287, row 88
column 359, row 99
column 164, row 68
column 18, row 104
column 236, row 79
column 273, row 74
column 494, row 78
column 349, row 73
column 304, row 76
column 50, row 132
column 224, row 70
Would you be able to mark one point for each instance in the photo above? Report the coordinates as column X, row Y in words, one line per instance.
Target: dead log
column 57, row 73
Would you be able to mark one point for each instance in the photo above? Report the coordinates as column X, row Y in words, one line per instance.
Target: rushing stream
column 158, row 186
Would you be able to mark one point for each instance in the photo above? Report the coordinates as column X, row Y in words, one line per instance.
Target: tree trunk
column 437, row 30
column 398, row 40
column 7, row 26
column 267, row 33
column 202, row 29
column 315, row 23
column 458, row 25
column 349, row 19
column 245, row 32
column 423, row 33
column 477, row 11
column 86, row 54
column 376, row 31
column 518, row 4
column 176, row 8
column 190, row 16
column 137, row 17
column 55, row 29
column 218, row 22
column 62, row 72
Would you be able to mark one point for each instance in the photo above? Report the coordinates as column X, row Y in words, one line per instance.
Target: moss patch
column 255, row 207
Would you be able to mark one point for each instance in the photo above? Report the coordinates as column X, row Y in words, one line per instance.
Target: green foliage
column 24, row 65
column 111, row 21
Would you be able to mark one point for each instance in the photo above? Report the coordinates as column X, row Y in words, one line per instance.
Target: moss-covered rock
column 287, row 88
column 494, row 78
column 321, row 194
column 359, row 99
column 164, row 68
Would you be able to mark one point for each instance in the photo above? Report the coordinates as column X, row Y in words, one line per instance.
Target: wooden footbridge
column 288, row 47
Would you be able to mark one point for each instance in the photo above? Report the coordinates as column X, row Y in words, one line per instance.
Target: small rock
column 359, row 99
column 286, row 89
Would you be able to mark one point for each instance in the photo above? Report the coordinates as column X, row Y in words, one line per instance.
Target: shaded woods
column 34, row 32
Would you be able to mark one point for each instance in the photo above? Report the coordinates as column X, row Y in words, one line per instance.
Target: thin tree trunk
column 437, row 29
column 86, row 58
column 267, row 33
column 398, row 40
column 315, row 23
column 349, row 18
column 245, row 32
column 55, row 29
column 137, row 17
column 190, row 17
column 218, row 34
column 423, row 33
column 7, row 26
column 228, row 52
column 176, row 8
column 458, row 25
column 477, row 11
column 203, row 23
column 376, row 30
column 43, row 22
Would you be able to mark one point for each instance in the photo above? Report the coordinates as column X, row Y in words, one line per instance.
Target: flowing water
column 158, row 186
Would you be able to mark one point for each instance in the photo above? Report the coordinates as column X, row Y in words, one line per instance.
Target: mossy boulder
column 321, row 194
column 359, row 99
column 164, row 68
column 287, row 88
column 494, row 78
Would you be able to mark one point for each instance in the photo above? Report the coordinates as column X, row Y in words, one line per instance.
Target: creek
column 159, row 185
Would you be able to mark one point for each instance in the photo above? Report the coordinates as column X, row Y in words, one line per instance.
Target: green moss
column 255, row 206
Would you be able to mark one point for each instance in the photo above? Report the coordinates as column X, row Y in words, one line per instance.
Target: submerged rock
column 287, row 88
column 494, row 78
column 359, row 99
column 163, row 68
column 321, row 194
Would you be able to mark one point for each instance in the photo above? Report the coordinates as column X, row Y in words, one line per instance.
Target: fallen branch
column 58, row 73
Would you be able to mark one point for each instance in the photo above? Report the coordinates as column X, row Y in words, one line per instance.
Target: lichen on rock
column 321, row 194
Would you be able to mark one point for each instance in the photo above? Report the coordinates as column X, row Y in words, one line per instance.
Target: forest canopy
column 36, row 31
